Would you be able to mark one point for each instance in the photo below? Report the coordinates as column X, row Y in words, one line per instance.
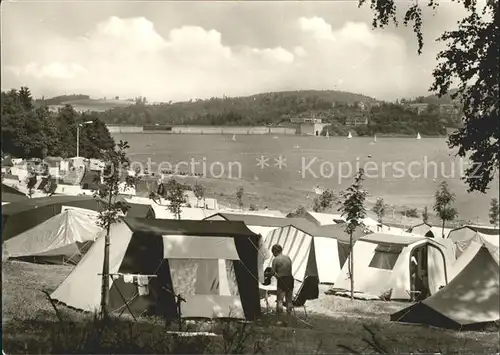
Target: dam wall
column 203, row 129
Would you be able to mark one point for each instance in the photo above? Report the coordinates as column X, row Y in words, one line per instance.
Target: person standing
column 282, row 270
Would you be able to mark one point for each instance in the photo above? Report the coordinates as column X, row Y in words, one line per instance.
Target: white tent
column 187, row 213
column 324, row 219
column 62, row 238
column 469, row 302
column 318, row 252
column 382, row 262
column 468, row 240
column 427, row 230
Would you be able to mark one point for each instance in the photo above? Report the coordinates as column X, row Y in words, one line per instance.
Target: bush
column 410, row 212
column 119, row 336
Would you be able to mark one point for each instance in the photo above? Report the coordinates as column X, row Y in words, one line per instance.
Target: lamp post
column 78, row 136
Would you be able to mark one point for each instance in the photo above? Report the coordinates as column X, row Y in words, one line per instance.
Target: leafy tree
column 410, row 212
column 31, row 130
column 324, row 201
column 353, row 209
column 116, row 163
column 176, row 197
column 471, row 59
column 239, row 197
column 444, row 204
column 379, row 209
column 494, row 212
column 199, row 192
column 253, row 207
column 425, row 215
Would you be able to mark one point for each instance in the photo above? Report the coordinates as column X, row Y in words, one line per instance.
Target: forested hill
column 434, row 100
column 251, row 110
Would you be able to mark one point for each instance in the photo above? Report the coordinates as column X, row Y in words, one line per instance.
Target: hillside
column 83, row 103
column 267, row 108
column 434, row 100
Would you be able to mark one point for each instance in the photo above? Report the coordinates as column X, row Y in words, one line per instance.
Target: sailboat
column 418, row 136
column 375, row 138
column 349, row 136
column 234, row 137
column 327, row 134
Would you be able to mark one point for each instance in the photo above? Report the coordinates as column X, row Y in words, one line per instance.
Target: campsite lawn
column 335, row 324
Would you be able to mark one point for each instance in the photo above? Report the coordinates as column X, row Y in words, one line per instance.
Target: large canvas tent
column 318, row 252
column 469, row 302
column 382, row 264
column 211, row 264
column 18, row 217
column 63, row 238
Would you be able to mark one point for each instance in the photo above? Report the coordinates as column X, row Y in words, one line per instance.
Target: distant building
column 361, row 105
column 356, row 121
column 299, row 120
column 418, row 108
column 311, row 129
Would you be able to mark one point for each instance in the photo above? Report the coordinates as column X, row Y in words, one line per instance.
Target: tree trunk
column 105, row 275
column 351, row 265
column 105, row 268
column 442, row 230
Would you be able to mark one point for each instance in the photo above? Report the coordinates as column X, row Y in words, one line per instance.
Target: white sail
column 375, row 138
column 418, row 136
column 327, row 134
column 234, row 137
column 349, row 136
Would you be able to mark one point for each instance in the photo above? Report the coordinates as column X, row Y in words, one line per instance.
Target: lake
column 404, row 171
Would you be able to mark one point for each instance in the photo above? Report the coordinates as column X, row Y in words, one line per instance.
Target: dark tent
column 18, row 217
column 213, row 264
column 137, row 210
column 10, row 194
column 91, row 180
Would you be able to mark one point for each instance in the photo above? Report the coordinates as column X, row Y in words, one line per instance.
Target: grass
column 285, row 198
column 333, row 325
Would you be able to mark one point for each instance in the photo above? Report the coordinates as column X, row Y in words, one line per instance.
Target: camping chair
column 308, row 290
column 414, row 295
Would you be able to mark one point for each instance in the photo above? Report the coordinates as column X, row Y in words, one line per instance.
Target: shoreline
column 388, row 135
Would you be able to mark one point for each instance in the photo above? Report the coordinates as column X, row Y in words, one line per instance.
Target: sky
column 174, row 51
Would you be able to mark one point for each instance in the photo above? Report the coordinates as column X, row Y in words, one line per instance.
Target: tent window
column 385, row 256
column 203, row 277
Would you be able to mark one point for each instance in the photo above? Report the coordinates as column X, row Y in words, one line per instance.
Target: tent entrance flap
column 209, row 287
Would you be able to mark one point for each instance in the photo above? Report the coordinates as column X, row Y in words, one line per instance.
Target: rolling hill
column 266, row 108
column 433, row 99
column 84, row 102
